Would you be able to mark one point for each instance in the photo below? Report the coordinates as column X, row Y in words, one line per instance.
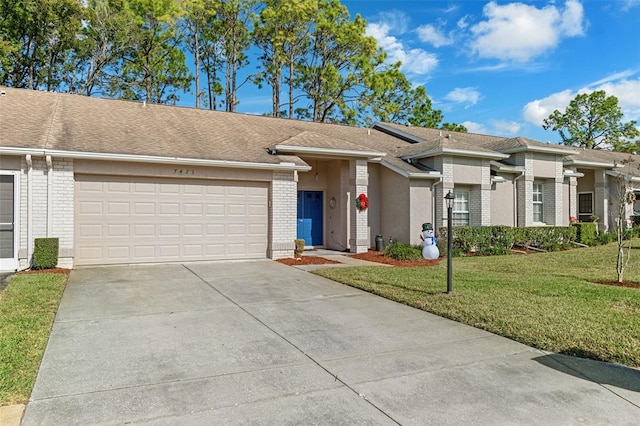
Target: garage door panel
column 136, row 220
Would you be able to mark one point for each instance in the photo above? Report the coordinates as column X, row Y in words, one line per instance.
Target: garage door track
column 259, row 342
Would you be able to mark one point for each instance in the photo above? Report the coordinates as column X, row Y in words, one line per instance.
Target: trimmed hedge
column 45, row 253
column 493, row 240
column 586, row 233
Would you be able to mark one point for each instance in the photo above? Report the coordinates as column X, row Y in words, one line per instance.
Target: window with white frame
column 538, row 203
column 460, row 211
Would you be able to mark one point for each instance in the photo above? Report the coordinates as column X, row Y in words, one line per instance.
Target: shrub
column 607, row 237
column 45, row 253
column 400, row 251
column 498, row 240
column 299, row 246
column 586, row 233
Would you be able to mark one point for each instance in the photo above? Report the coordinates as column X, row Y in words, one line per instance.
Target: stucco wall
column 395, row 207
column 467, row 171
column 421, row 208
column 502, row 202
column 336, row 218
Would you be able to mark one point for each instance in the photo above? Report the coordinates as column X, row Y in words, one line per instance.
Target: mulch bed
column 617, row 284
column 47, row 271
column 306, row 260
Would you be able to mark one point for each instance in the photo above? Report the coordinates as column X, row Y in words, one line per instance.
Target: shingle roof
column 64, row 122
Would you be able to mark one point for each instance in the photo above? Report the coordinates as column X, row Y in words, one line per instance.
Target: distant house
column 129, row 182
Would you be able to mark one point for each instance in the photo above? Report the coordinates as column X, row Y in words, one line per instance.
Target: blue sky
column 501, row 67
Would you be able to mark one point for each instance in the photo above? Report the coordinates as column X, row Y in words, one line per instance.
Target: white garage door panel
column 136, row 220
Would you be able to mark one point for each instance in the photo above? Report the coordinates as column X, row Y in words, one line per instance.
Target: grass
column 547, row 300
column 27, row 310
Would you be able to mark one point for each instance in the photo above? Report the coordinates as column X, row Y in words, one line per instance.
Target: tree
column 341, row 59
column 594, row 121
column 103, row 41
column 154, row 68
column 36, row 38
column 198, row 14
column 282, row 33
column 233, row 32
column 623, row 198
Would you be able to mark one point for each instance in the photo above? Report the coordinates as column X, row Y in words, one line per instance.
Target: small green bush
column 45, row 253
column 299, row 246
column 636, row 219
column 586, row 233
column 607, row 237
column 400, row 251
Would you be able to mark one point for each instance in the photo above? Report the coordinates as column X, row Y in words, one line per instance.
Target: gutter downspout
column 49, row 194
column 433, row 202
column 515, row 199
column 29, row 208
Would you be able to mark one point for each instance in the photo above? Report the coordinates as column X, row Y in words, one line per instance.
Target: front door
column 8, row 252
column 309, row 226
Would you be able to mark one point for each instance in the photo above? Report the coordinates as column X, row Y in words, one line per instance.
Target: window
column 460, row 216
column 538, row 211
column 585, row 206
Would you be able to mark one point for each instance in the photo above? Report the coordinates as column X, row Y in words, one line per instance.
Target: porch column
column 282, row 214
column 601, row 202
column 359, row 230
column 573, row 197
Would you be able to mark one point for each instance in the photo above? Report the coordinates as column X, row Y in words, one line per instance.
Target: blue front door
column 309, row 226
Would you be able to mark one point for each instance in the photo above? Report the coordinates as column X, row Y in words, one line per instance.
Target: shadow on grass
column 600, row 372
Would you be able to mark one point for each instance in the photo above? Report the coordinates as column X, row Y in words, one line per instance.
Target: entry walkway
column 263, row 343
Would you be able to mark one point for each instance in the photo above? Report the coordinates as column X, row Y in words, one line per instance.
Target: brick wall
column 282, row 214
column 359, row 230
column 51, row 208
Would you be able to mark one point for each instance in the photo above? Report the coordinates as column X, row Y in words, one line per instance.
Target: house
column 130, row 182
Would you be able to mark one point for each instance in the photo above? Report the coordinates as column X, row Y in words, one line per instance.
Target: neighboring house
column 129, row 182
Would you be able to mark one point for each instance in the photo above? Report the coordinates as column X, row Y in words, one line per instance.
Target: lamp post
column 449, row 199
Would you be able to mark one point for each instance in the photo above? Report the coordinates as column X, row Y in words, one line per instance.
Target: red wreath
column 362, row 203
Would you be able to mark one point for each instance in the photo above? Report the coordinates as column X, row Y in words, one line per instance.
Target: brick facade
column 282, row 214
column 50, row 191
column 359, row 229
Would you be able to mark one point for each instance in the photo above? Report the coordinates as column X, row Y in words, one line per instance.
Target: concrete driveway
column 262, row 343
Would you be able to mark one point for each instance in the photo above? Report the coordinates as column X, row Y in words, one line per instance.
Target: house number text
column 184, row 172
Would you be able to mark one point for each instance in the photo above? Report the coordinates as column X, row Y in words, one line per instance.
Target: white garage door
column 137, row 220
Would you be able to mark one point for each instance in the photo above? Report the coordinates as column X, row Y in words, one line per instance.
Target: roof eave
column 581, row 163
column 457, row 153
column 411, row 175
column 284, row 165
column 369, row 155
column 540, row 149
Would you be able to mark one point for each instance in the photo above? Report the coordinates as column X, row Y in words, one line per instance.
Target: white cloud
column 473, row 127
column 536, row 111
column 414, row 61
column 628, row 4
column 507, row 128
column 466, row 95
column 463, row 22
column 430, row 34
column 519, row 32
column 626, row 90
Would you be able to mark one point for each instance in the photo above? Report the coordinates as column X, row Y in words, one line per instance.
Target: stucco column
column 359, row 229
column 282, row 214
column 573, row 197
column 601, row 202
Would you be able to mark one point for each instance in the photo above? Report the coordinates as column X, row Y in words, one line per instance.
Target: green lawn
column 546, row 300
column 27, row 309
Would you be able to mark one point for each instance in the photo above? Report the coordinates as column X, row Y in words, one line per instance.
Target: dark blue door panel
column 309, row 226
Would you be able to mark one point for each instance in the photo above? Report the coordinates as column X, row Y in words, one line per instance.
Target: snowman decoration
column 429, row 247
